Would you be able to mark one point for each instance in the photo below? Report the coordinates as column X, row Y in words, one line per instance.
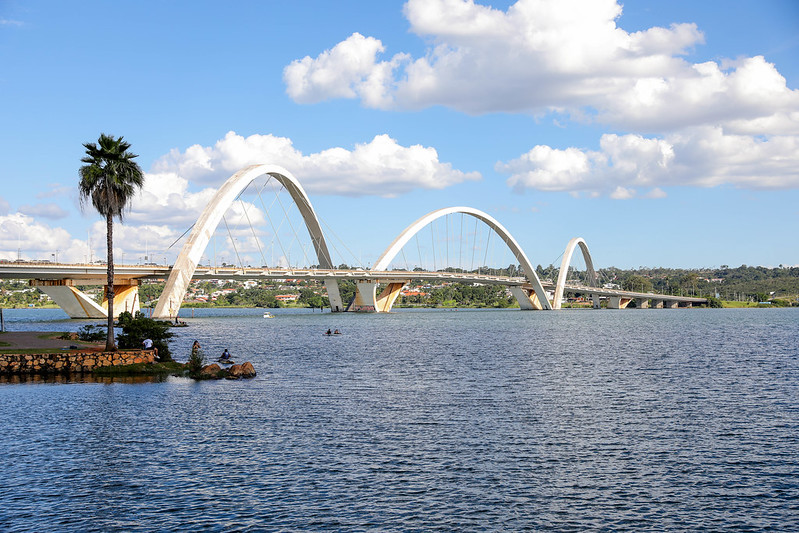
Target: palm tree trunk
column 110, row 345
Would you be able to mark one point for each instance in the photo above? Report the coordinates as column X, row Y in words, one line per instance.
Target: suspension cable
column 233, row 242
column 433, row 241
column 296, row 237
column 460, row 249
column 181, row 236
column 275, row 232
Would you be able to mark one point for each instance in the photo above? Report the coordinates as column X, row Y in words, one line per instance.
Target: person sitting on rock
column 148, row 345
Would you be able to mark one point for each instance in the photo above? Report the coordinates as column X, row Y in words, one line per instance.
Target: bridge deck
column 95, row 274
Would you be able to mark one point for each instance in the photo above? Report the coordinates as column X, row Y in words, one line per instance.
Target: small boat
column 226, row 361
column 268, row 315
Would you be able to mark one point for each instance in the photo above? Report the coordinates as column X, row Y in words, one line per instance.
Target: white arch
column 394, row 248
column 183, row 269
column 564, row 268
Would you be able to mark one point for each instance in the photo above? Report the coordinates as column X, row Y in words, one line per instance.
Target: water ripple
column 426, row 421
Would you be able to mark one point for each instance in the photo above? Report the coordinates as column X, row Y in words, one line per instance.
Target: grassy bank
column 170, row 368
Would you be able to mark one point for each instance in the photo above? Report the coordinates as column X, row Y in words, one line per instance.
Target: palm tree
column 109, row 177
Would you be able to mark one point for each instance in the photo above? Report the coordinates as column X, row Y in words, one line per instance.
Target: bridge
column 60, row 281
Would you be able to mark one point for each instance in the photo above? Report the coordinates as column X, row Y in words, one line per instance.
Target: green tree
column 637, row 283
column 137, row 328
column 109, row 178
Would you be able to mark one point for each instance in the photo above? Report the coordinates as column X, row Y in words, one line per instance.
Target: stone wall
column 70, row 362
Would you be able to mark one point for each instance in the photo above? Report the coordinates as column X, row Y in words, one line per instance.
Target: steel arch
column 394, row 248
column 564, row 268
column 183, row 269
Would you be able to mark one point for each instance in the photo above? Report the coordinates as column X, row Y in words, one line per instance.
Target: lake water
column 645, row 420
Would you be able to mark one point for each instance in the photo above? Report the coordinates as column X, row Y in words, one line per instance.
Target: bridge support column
column 671, row 304
column 618, row 302
column 642, row 303
column 367, row 301
column 126, row 298
column 596, row 302
column 74, row 303
column 657, row 304
column 334, row 296
column 528, row 299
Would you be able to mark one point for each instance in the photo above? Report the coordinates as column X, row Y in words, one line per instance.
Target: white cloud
column 622, row 193
column 381, row 167
column 4, row 206
column 539, row 56
column 49, row 210
column 56, row 190
column 657, row 192
column 702, row 157
column 346, row 70
column 34, row 240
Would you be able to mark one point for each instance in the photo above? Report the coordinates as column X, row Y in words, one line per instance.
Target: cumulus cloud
column 627, row 164
column 539, row 56
column 56, row 190
column 347, row 70
column 381, row 167
column 49, row 210
column 4, row 207
column 34, row 240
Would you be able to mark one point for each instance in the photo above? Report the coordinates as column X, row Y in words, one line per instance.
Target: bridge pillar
column 671, row 304
column 527, row 298
column 642, row 303
column 74, row 303
column 656, row 304
column 126, row 298
column 596, row 302
column 618, row 302
column 687, row 305
column 334, row 296
column 367, row 301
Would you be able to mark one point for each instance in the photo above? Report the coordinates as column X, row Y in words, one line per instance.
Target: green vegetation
column 196, row 362
column 136, row 329
column 457, row 295
column 92, row 333
column 109, row 178
column 167, row 368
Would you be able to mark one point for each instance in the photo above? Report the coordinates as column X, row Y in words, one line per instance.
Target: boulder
column 245, row 370
column 248, row 371
column 210, row 370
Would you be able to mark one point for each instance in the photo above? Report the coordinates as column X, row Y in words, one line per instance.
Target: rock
column 248, row 371
column 210, row 370
column 245, row 370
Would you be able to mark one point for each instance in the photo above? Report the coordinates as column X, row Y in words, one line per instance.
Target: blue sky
column 664, row 133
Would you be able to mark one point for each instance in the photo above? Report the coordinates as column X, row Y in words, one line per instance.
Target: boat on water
column 268, row 315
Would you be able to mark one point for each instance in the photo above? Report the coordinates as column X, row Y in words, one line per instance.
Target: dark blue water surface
column 645, row 420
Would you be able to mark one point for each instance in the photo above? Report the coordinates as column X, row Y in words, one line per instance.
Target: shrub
column 125, row 317
column 196, row 362
column 92, row 333
column 138, row 328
